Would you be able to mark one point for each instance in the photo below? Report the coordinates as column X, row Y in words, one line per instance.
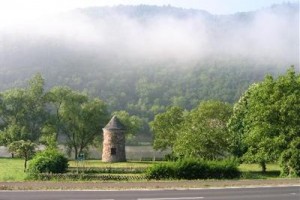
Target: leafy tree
column 132, row 123
column 166, row 128
column 24, row 149
column 204, row 133
column 77, row 117
column 22, row 112
column 266, row 119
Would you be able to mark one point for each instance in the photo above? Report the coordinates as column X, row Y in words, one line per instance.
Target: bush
column 87, row 177
column 191, row 169
column 290, row 160
column 225, row 169
column 49, row 161
column 194, row 169
column 161, row 171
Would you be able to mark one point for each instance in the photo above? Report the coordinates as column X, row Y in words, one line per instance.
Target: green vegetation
column 204, row 133
column 253, row 171
column 207, row 100
column 262, row 127
column 23, row 149
column 12, row 170
column 265, row 123
column 49, row 161
column 194, row 169
column 99, row 164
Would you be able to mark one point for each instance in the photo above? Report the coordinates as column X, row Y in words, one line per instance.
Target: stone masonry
column 114, row 141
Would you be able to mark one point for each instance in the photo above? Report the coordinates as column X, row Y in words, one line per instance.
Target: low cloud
column 269, row 35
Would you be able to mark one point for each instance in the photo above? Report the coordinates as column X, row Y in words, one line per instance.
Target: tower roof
column 114, row 124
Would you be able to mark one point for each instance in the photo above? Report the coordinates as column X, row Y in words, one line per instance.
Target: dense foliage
column 194, row 169
column 34, row 114
column 76, row 116
column 266, row 121
column 290, row 159
column 22, row 112
column 202, row 132
column 166, row 128
column 49, row 161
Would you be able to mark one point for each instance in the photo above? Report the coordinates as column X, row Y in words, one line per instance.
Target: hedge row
column 194, row 169
column 94, row 177
column 109, row 170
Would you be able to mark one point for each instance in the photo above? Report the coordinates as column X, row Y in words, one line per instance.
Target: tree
column 23, row 149
column 22, row 112
column 77, row 117
column 204, row 133
column 266, row 119
column 166, row 127
column 132, row 123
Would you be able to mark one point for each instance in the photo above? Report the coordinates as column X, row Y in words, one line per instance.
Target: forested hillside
column 143, row 59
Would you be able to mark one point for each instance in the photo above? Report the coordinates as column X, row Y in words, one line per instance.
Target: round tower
column 114, row 141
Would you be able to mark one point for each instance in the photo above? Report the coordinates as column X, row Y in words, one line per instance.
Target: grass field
column 12, row 169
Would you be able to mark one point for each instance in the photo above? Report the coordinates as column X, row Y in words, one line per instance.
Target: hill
column 145, row 58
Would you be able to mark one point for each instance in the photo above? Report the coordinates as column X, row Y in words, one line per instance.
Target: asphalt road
column 264, row 193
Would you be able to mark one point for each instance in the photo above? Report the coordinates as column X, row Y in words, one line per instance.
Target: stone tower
column 114, row 141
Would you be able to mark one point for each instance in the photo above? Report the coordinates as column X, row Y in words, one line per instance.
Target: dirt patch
column 51, row 185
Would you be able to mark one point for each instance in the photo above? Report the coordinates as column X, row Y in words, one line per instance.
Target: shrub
column 194, row 169
column 88, row 177
column 191, row 169
column 223, row 169
column 290, row 160
column 161, row 171
column 49, row 161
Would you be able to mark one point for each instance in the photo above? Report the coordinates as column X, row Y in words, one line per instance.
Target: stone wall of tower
column 113, row 146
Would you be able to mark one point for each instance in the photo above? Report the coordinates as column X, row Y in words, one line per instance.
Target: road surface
column 264, row 193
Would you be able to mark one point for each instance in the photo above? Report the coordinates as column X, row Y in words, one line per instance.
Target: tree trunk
column 76, row 152
column 25, row 165
column 263, row 166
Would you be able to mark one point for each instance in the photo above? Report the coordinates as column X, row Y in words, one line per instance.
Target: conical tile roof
column 114, row 124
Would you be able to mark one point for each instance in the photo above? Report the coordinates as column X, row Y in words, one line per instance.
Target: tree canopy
column 266, row 119
column 34, row 114
column 22, row 112
column 166, row 127
column 204, row 133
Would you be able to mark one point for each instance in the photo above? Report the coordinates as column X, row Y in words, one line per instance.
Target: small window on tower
column 113, row 151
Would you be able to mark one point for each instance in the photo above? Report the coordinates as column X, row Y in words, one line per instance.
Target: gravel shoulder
column 182, row 184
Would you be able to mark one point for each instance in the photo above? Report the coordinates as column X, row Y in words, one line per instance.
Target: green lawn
column 12, row 169
column 257, row 168
column 254, row 171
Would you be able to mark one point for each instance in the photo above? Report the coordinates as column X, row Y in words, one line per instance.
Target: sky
column 28, row 9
